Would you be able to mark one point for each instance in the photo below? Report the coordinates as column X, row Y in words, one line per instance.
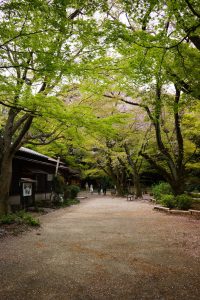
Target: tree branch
column 20, row 108
column 57, row 137
column 24, row 34
column 7, row 136
column 19, row 122
column 192, row 9
column 113, row 96
column 74, row 14
column 27, row 66
column 155, row 165
column 18, row 141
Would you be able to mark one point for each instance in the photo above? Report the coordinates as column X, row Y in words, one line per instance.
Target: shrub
column 74, row 190
column 28, row 219
column 57, row 199
column 163, row 188
column 183, row 202
column 71, row 191
column 168, row 201
column 20, row 217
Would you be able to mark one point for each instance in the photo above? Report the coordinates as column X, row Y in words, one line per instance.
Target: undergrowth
column 69, row 202
column 20, row 217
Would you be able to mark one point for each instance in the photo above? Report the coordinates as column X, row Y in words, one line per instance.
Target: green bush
column 71, row 191
column 183, row 202
column 29, row 220
column 20, row 217
column 163, row 188
column 168, row 201
column 57, row 200
column 74, row 189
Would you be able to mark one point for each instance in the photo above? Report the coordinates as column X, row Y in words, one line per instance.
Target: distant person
column 115, row 189
column 91, row 189
column 104, row 189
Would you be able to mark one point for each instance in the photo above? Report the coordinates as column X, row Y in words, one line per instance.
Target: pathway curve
column 104, row 248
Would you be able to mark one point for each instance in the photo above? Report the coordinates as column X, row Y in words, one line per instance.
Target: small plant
column 8, row 219
column 163, row 188
column 168, row 201
column 183, row 202
column 57, row 199
column 20, row 217
column 29, row 220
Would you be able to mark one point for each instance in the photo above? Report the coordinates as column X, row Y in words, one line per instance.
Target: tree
column 155, row 68
column 171, row 26
column 144, row 53
column 41, row 44
column 118, row 144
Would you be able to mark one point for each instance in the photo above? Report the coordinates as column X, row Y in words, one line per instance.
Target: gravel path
column 104, row 248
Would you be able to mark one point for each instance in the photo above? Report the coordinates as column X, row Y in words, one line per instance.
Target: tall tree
column 154, row 65
column 41, row 45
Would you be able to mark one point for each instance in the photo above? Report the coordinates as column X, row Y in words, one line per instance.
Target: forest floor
column 104, row 248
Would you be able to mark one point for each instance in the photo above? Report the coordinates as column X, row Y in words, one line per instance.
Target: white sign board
column 27, row 189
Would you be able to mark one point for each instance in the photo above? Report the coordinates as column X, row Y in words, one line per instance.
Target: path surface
column 104, row 248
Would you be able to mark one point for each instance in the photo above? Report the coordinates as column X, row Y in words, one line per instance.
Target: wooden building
column 32, row 177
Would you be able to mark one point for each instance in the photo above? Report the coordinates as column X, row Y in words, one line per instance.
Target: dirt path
column 104, row 248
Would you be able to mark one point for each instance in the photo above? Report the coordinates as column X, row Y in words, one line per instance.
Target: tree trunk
column 5, row 179
column 120, row 189
column 178, row 185
column 136, row 175
column 176, row 179
column 138, row 190
column 10, row 142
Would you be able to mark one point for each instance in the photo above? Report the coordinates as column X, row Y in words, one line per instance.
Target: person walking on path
column 91, row 189
column 104, row 188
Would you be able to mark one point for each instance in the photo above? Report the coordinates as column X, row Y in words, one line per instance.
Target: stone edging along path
column 190, row 212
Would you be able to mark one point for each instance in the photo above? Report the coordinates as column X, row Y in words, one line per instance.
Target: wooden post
column 57, row 165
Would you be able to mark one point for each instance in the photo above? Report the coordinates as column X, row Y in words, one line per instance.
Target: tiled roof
column 50, row 159
column 23, row 149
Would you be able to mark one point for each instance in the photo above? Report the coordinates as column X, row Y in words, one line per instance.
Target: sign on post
column 27, row 189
